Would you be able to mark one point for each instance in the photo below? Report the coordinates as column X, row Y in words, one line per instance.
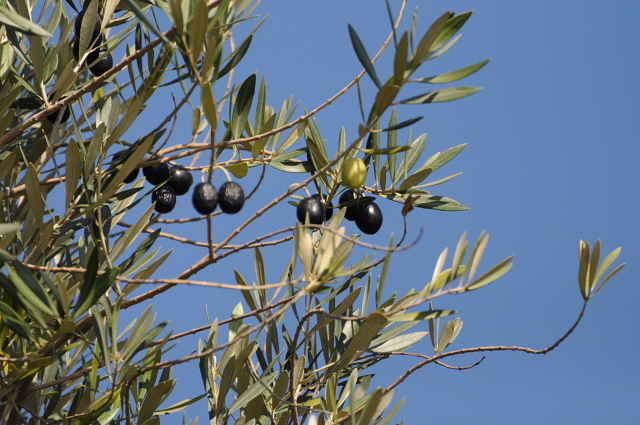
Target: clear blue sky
column 552, row 159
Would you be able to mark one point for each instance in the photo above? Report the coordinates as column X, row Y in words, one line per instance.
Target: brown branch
column 223, row 322
column 438, row 357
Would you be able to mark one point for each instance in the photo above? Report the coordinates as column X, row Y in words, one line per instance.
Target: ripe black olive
column 165, row 199
column 205, row 198
column 102, row 66
column 313, row 206
column 97, row 68
column 133, row 175
column 231, row 197
column 181, row 180
column 66, row 113
column 157, row 173
column 96, row 28
column 368, row 218
column 349, row 195
column 328, row 209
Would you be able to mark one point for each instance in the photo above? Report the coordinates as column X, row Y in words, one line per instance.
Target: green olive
column 354, row 173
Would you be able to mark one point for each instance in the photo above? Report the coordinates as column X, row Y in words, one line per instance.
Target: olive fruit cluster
column 368, row 216
column 101, row 66
column 314, row 206
column 229, row 196
column 178, row 183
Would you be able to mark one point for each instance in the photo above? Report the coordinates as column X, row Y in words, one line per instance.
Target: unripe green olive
column 354, row 173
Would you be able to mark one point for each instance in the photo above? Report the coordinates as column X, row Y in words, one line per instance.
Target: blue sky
column 551, row 159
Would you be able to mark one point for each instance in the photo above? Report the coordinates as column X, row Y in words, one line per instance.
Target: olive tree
column 79, row 225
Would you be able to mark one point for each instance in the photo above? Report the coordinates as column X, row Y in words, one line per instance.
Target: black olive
column 368, row 218
column 328, row 209
column 102, row 66
column 66, row 113
column 313, row 206
column 231, row 197
column 205, row 198
column 349, row 195
column 165, row 199
column 133, row 175
column 157, row 173
column 181, row 180
column 94, row 51
column 96, row 28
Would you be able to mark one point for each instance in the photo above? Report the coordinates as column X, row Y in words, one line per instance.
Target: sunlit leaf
column 239, row 170
column 433, row 202
column 153, row 399
column 492, row 275
column 456, row 75
column 452, row 26
column 293, row 137
column 400, row 343
column 441, row 158
column 252, row 392
column 606, row 264
column 385, row 151
column 20, row 24
column 422, row 315
column 424, row 46
column 415, row 179
column 442, row 95
column 411, row 157
column 449, row 334
column 361, row 340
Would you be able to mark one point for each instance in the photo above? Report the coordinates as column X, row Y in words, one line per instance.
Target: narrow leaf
column 608, row 278
column 423, row 315
column 400, row 343
column 424, row 46
column 442, row 158
column 584, row 269
column 411, row 157
column 363, row 56
column 606, row 264
column 403, row 124
column 293, row 137
column 400, row 60
column 415, row 179
column 442, row 95
column 34, row 195
column 21, row 24
column 242, row 106
column 95, row 290
column 252, row 392
column 454, row 75
column 361, row 340
column 492, row 275
column 452, row 26
column 433, row 202
column 238, row 54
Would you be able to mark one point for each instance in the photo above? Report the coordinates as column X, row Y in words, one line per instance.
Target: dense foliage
column 77, row 240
